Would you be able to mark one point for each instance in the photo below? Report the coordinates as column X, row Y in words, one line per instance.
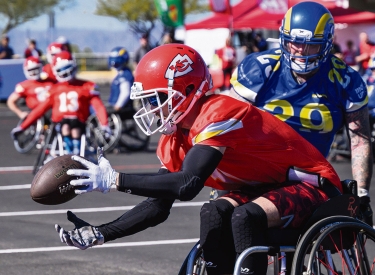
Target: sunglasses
column 154, row 101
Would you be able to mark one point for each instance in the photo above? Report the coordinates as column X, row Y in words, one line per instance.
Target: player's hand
column 83, row 236
column 97, row 177
column 23, row 114
column 15, row 132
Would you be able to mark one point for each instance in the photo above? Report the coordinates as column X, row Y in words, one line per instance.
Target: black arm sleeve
column 148, row 213
column 198, row 165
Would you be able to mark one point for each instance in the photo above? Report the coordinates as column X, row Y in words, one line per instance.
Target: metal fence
column 94, row 61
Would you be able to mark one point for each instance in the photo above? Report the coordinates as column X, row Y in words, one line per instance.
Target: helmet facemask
column 64, row 70
column 315, row 51
column 159, row 109
column 32, row 70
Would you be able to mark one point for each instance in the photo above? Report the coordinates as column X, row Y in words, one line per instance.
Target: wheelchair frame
column 332, row 232
column 53, row 146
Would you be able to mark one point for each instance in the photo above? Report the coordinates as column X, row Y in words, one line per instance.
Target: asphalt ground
column 29, row 244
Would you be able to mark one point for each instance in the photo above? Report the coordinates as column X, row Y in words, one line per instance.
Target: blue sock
column 76, row 146
column 68, row 144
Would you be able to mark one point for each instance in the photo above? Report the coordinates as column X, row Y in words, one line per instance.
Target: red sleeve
column 36, row 113
column 100, row 110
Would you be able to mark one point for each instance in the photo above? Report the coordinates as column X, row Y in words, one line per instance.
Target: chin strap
column 170, row 127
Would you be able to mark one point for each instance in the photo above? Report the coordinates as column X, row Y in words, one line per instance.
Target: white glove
column 83, row 236
column 98, row 177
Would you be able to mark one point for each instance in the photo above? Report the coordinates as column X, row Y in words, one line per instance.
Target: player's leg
column 216, row 236
column 66, row 136
column 77, row 128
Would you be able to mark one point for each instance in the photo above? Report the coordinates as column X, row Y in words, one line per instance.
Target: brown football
column 51, row 185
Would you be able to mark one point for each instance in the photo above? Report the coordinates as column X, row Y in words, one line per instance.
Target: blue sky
column 80, row 15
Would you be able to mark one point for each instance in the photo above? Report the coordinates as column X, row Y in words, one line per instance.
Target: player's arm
column 360, row 140
column 148, row 213
column 198, row 165
column 12, row 105
column 36, row 113
column 124, row 95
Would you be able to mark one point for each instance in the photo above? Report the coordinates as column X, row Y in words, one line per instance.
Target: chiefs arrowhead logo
column 181, row 65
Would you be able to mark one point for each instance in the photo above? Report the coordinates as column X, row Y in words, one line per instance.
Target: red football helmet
column 63, row 66
column 172, row 75
column 54, row 48
column 32, row 68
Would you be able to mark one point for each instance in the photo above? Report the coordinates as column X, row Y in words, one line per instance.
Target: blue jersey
column 316, row 109
column 120, row 88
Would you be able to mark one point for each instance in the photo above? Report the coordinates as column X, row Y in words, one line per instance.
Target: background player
column 212, row 140
column 70, row 101
column 119, row 97
column 52, row 49
column 313, row 91
column 34, row 90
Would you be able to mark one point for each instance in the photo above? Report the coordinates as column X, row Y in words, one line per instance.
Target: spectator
column 350, row 54
column 336, row 48
column 227, row 56
column 167, row 39
column 366, row 48
column 142, row 50
column 6, row 52
column 32, row 50
column 260, row 43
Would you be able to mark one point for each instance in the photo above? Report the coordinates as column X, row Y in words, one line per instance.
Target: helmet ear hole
column 189, row 89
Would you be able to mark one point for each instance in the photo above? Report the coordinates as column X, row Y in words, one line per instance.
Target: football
column 51, row 185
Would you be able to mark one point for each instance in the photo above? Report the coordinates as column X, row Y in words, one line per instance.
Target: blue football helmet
column 308, row 25
column 118, row 58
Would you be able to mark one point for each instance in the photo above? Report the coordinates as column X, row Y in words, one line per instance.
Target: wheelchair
column 97, row 136
column 53, row 146
column 131, row 137
column 333, row 241
column 31, row 138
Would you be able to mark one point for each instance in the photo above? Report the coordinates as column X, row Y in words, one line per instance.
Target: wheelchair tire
column 329, row 247
column 96, row 136
column 27, row 140
column 194, row 263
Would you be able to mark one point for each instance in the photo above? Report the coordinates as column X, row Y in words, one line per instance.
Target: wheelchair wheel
column 336, row 245
column 50, row 143
column 194, row 263
column 97, row 137
column 132, row 138
column 27, row 140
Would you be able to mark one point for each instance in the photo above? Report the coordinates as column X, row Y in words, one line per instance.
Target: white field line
column 107, row 245
column 88, row 210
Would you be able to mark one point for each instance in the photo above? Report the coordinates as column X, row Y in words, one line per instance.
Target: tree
column 17, row 12
column 140, row 14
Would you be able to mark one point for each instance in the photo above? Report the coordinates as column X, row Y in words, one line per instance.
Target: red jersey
column 259, row 147
column 33, row 91
column 70, row 100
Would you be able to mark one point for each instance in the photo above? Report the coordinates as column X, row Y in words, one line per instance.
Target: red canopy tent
column 247, row 14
